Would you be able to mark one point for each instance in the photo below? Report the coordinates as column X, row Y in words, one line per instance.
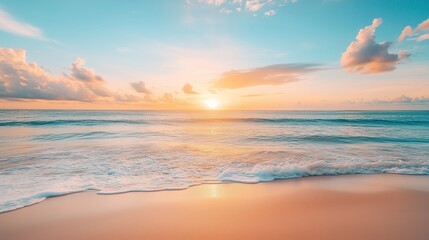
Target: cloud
column 270, row 13
column 84, row 74
column 407, row 31
column 260, row 95
column 140, row 87
column 9, row 24
column 225, row 10
column 423, row 37
column 254, row 5
column 270, row 75
column 402, row 100
column 367, row 56
column 168, row 98
column 420, row 33
column 20, row 79
column 24, row 81
column 188, row 89
column 424, row 25
column 213, row 2
column 250, row 6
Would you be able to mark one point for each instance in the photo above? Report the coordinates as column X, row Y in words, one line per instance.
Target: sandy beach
column 382, row 206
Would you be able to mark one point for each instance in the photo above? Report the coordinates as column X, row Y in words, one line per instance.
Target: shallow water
column 50, row 153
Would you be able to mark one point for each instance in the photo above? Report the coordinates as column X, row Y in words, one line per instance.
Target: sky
column 215, row 54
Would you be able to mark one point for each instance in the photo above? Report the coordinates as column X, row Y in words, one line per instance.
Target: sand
column 384, row 206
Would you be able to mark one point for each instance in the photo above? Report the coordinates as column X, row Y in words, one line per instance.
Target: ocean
column 46, row 153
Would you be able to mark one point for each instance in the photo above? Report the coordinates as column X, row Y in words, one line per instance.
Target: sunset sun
column 212, row 103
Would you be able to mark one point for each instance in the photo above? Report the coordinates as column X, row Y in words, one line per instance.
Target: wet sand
column 383, row 206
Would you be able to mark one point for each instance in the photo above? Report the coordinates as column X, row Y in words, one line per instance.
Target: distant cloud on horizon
column 9, row 24
column 403, row 99
column 273, row 75
column 366, row 56
column 140, row 87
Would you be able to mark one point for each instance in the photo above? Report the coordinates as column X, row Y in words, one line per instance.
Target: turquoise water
column 50, row 153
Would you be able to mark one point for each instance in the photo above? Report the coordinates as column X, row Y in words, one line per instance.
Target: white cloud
column 213, row 2
column 365, row 55
column 9, row 24
column 250, row 6
column 270, row 13
column 254, row 5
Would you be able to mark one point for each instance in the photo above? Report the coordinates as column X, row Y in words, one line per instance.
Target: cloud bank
column 270, row 75
column 403, row 99
column 9, row 24
column 420, row 33
column 365, row 55
column 20, row 79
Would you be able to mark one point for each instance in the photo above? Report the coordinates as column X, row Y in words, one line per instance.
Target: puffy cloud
column 420, row 33
column 367, row 56
column 269, row 75
column 188, row 89
column 140, row 87
column 254, row 5
column 84, row 74
column 251, row 6
column 9, row 24
column 270, row 13
column 20, row 79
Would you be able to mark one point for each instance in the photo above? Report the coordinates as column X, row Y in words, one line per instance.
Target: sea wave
column 338, row 139
column 71, row 122
column 294, row 121
column 95, row 135
column 258, row 173
column 270, row 172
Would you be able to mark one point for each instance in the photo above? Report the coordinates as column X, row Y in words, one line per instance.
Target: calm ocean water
column 50, row 153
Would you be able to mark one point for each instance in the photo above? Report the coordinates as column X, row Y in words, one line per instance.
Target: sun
column 212, row 103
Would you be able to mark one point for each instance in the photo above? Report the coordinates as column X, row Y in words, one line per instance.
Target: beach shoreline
column 381, row 206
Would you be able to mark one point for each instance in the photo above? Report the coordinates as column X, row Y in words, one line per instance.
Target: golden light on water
column 212, row 103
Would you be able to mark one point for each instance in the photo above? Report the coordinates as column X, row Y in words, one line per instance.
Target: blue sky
column 166, row 44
